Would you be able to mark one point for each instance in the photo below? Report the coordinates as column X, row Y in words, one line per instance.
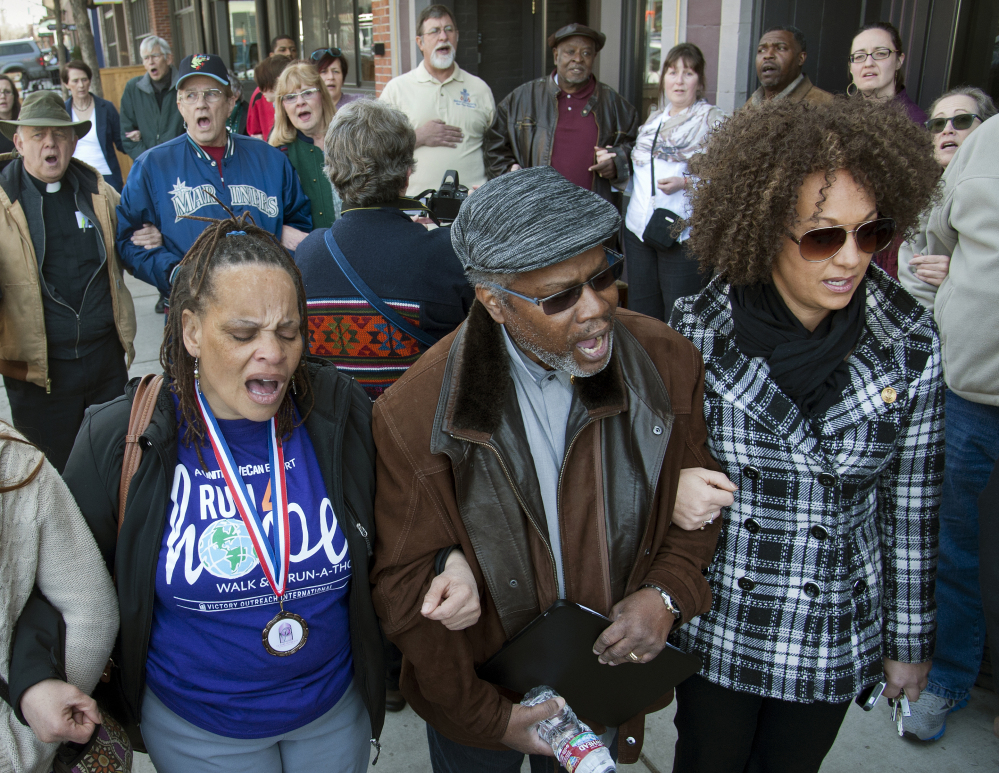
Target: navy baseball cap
column 204, row 64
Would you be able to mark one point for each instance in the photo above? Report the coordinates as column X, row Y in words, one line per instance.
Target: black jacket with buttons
column 826, row 562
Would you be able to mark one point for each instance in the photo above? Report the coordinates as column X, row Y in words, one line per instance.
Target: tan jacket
column 454, row 468
column 23, row 342
column 964, row 225
column 47, row 544
column 805, row 90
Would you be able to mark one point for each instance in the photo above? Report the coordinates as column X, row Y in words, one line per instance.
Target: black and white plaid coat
column 827, row 560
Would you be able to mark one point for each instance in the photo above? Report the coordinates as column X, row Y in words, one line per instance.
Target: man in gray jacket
column 966, row 308
column 149, row 115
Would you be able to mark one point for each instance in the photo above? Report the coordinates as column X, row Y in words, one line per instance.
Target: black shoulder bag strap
column 652, row 159
column 383, row 308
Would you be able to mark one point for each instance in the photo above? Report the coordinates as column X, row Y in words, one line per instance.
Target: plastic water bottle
column 577, row 748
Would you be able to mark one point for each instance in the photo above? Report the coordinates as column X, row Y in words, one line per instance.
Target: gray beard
column 564, row 362
column 442, row 61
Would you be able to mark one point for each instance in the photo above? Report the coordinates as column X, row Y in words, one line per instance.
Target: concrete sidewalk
column 866, row 742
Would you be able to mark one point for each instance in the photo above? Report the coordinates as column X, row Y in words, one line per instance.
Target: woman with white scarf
column 657, row 276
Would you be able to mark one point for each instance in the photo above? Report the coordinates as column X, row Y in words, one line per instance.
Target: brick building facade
column 949, row 42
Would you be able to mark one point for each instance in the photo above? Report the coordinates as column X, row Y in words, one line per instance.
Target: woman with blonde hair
column 303, row 110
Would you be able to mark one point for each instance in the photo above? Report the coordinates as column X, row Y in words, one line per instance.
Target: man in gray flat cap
column 567, row 120
column 544, row 439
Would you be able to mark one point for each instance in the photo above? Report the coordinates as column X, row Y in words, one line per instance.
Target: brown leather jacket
column 524, row 129
column 454, row 468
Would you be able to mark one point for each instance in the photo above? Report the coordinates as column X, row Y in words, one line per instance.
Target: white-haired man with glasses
column 544, row 439
column 199, row 172
column 149, row 115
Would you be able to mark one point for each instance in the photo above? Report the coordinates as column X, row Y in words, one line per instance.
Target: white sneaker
column 929, row 716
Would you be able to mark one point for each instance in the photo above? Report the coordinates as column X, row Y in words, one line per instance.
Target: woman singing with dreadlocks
column 248, row 638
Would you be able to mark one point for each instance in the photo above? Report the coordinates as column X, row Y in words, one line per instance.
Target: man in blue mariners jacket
column 185, row 176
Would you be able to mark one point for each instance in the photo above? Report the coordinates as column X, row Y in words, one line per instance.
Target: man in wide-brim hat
column 544, row 439
column 66, row 318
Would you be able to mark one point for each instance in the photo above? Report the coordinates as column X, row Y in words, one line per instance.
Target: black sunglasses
column 959, row 122
column 821, row 244
column 566, row 299
column 319, row 53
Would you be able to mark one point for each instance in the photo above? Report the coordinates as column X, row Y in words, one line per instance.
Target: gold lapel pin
column 889, row 395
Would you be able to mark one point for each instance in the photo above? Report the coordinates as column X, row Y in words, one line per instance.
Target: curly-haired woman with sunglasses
column 824, row 404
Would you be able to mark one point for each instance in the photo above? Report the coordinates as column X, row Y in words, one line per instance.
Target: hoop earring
column 856, row 89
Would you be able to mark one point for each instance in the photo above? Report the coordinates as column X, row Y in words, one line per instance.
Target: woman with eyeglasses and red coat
column 824, row 404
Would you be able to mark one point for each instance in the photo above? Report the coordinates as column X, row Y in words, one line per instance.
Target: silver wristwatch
column 668, row 601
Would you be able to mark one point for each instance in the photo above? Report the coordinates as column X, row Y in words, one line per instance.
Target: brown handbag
column 143, row 405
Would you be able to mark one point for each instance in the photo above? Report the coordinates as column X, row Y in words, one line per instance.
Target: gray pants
column 336, row 742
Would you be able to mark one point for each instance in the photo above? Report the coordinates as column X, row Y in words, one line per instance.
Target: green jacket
column 140, row 110
column 308, row 161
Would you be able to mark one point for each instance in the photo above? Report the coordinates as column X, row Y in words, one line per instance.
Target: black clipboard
column 556, row 649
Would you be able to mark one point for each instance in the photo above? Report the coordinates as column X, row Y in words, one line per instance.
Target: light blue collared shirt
column 545, row 398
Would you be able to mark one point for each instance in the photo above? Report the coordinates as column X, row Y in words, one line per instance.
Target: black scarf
column 810, row 368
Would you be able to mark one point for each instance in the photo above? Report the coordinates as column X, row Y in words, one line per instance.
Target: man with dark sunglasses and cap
column 510, row 440
column 195, row 174
column 66, row 318
column 567, row 120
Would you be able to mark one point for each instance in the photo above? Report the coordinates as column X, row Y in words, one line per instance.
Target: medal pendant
column 286, row 634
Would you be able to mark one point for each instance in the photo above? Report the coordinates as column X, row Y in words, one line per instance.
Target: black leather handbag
column 658, row 233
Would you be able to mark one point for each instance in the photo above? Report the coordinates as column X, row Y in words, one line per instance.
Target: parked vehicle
column 23, row 60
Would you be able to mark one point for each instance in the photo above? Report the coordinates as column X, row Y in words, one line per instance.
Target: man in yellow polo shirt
column 450, row 109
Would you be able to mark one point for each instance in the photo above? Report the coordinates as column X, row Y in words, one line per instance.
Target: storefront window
column 244, row 50
column 365, row 39
column 653, row 53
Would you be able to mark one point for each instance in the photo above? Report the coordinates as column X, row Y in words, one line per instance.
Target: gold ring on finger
column 634, row 657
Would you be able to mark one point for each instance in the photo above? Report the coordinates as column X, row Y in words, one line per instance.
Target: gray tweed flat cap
column 529, row 219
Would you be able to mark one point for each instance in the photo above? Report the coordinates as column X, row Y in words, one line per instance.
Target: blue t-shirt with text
column 207, row 661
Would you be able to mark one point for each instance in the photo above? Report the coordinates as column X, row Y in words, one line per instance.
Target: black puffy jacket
column 340, row 428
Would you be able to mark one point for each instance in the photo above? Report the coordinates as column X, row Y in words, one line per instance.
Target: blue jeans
column 447, row 756
column 972, row 448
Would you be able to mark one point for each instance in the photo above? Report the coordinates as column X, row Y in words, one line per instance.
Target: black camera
column 446, row 200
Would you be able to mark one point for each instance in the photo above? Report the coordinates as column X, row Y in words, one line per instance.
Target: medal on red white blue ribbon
column 287, row 632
